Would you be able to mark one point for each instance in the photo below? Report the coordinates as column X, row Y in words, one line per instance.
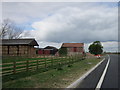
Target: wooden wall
column 18, row 50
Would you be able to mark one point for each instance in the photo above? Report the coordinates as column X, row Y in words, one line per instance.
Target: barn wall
column 4, row 50
column 18, row 50
column 31, row 51
column 46, row 52
column 40, row 52
column 74, row 50
column 13, row 50
column 23, row 50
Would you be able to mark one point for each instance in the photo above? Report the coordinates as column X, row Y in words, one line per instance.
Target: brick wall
column 74, row 50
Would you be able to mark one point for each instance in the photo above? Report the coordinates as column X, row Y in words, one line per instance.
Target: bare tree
column 10, row 30
column 4, row 28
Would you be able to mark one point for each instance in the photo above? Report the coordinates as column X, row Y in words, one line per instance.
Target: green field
column 53, row 78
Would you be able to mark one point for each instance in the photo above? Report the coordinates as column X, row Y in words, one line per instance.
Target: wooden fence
column 29, row 65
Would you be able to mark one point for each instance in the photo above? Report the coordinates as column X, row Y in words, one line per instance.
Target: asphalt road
column 111, row 76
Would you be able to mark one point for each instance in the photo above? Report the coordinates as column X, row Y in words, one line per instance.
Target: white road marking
column 75, row 84
column 103, row 75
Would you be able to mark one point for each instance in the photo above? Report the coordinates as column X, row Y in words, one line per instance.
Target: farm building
column 49, row 50
column 73, row 48
column 40, row 51
column 18, row 47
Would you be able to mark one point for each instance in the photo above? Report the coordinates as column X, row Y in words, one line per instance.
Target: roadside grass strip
column 50, row 78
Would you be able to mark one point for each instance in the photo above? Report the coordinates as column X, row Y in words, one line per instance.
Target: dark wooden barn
column 50, row 50
column 18, row 47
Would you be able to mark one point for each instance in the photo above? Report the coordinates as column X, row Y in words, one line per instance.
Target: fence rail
column 28, row 65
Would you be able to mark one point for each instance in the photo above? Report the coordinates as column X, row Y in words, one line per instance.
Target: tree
column 63, row 51
column 9, row 30
column 96, row 48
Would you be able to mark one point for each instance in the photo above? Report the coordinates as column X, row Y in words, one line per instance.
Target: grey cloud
column 83, row 26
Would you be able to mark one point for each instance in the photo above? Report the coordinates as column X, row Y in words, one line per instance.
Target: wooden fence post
column 65, row 59
column 37, row 65
column 51, row 61
column 45, row 62
column 58, row 60
column 75, row 57
column 54, row 60
column 14, row 67
column 61, row 62
column 71, row 58
column 68, row 60
column 27, row 65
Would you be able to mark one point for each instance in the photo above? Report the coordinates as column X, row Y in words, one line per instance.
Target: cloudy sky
column 52, row 23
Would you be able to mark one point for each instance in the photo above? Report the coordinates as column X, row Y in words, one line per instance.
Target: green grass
column 52, row 78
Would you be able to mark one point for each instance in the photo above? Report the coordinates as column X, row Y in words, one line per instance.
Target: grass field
column 52, row 78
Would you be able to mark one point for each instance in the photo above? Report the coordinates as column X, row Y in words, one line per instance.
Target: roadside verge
column 54, row 78
column 75, row 84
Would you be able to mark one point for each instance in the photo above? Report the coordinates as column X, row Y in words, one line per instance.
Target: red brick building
column 40, row 51
column 49, row 50
column 73, row 48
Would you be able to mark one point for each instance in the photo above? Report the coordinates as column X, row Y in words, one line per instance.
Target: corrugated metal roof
column 73, row 45
column 31, row 42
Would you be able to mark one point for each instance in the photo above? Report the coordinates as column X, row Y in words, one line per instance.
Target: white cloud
column 43, row 44
column 110, row 46
column 75, row 24
column 55, row 23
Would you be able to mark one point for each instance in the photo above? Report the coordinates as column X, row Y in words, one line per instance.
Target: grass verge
column 53, row 78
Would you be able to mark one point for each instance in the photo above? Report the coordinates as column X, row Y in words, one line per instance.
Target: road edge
column 103, row 75
column 75, row 84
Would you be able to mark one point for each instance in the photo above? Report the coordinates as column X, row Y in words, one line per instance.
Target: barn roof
column 31, row 42
column 72, row 44
column 50, row 47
